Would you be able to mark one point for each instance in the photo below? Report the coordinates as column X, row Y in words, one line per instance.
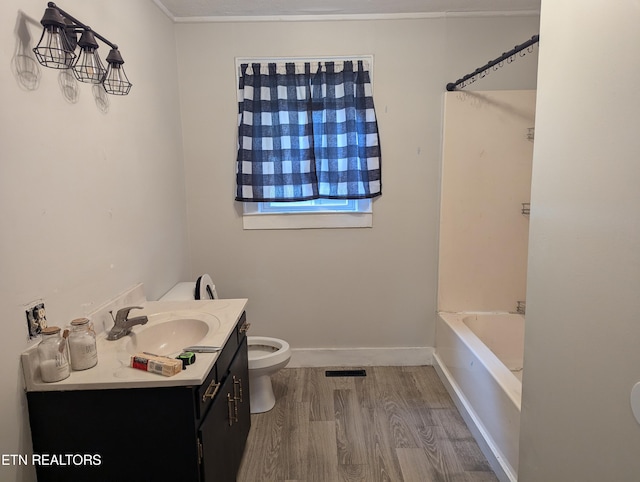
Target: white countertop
column 113, row 370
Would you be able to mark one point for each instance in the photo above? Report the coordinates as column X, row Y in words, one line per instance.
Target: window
column 308, row 148
column 317, row 213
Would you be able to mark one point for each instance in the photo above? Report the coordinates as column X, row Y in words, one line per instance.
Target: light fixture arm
column 78, row 23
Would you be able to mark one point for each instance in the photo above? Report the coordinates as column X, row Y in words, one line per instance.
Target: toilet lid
column 205, row 288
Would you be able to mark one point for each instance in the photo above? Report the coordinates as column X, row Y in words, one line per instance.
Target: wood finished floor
column 397, row 424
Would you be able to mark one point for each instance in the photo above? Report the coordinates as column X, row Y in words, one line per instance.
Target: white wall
column 92, row 201
column 349, row 287
column 581, row 344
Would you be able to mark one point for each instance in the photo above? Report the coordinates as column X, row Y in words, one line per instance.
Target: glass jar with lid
column 82, row 344
column 52, row 350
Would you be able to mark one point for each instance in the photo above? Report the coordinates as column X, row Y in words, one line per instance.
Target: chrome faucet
column 122, row 324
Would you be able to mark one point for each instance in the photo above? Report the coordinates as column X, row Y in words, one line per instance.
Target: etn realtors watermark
column 70, row 460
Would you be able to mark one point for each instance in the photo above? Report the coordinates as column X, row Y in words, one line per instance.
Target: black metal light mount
column 57, row 50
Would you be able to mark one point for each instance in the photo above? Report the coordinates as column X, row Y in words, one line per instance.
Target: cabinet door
column 224, row 431
column 138, row 433
column 239, row 373
column 216, row 437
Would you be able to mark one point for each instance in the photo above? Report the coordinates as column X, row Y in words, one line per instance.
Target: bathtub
column 479, row 358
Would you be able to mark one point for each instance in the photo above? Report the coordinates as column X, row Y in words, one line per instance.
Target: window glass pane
column 315, row 205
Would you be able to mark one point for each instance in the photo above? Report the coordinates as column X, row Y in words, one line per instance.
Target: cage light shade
column 88, row 66
column 54, row 49
column 116, row 81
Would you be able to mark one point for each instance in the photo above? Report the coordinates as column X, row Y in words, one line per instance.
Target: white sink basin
column 165, row 334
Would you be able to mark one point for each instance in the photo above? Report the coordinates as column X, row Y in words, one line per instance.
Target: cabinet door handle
column 232, row 405
column 235, row 410
column 212, row 389
column 245, row 327
column 237, row 383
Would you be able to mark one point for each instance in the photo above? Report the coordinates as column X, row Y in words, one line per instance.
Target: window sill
column 307, row 220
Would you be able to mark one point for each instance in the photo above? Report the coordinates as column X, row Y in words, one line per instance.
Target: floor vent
column 345, row 373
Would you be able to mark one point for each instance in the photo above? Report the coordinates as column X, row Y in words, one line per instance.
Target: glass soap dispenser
column 54, row 363
column 82, row 344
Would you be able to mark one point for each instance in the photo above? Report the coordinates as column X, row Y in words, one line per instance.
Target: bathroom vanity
column 120, row 423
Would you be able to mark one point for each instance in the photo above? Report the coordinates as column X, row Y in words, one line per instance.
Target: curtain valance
column 307, row 131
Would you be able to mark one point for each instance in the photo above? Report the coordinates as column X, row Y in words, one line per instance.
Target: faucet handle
column 123, row 313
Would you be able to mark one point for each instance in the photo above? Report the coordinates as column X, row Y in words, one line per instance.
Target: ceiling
column 230, row 9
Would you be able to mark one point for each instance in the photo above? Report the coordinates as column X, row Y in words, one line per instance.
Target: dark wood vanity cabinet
column 223, row 433
column 227, row 425
column 192, row 433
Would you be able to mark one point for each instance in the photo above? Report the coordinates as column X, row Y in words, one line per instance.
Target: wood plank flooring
column 397, row 424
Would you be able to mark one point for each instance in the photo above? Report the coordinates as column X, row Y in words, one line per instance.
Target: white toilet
column 266, row 357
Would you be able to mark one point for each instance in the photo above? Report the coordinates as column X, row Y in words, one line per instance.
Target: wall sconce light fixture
column 57, row 50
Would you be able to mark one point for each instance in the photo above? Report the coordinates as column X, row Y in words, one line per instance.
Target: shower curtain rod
column 451, row 86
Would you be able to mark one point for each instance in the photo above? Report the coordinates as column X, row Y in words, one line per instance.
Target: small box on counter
column 156, row 364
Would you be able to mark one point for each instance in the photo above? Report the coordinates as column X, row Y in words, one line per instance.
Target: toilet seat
column 205, row 289
column 277, row 351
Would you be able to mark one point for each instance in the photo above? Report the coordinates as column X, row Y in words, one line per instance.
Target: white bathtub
column 479, row 358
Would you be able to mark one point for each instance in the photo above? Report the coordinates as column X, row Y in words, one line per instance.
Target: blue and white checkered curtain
column 307, row 131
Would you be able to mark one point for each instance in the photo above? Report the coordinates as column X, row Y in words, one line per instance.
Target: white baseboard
column 359, row 357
